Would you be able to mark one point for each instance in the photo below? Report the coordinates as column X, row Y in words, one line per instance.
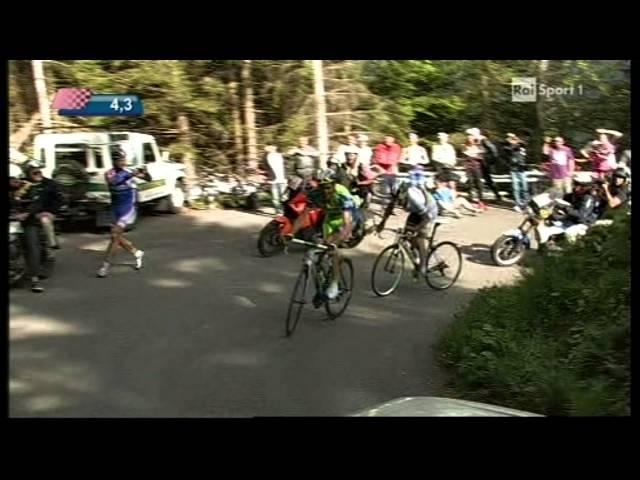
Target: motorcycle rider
column 615, row 191
column 586, row 208
column 42, row 199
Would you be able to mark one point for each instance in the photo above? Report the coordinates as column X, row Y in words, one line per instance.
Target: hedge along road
column 199, row 331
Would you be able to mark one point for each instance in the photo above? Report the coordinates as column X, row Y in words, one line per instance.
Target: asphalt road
column 199, row 331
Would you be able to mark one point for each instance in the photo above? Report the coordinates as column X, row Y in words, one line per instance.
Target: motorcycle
column 540, row 221
column 271, row 239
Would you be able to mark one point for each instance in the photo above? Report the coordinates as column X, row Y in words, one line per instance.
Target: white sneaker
column 332, row 291
column 517, row 209
column 103, row 272
column 138, row 255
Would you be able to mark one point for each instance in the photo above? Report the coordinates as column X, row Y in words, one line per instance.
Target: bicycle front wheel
column 444, row 265
column 387, row 271
column 298, row 299
column 336, row 307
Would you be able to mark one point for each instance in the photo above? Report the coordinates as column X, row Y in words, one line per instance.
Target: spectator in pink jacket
column 386, row 156
column 561, row 164
column 602, row 152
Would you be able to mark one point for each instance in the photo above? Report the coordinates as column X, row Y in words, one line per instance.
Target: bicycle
column 317, row 264
column 444, row 261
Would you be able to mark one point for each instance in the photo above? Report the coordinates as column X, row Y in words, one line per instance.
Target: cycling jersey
column 123, row 196
column 334, row 207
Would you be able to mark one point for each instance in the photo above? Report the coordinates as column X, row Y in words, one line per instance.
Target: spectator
column 414, row 154
column 474, row 152
column 444, row 156
column 516, row 156
column 561, row 164
column 359, row 177
column 340, row 173
column 305, row 158
column 602, row 152
column 366, row 154
column 448, row 201
column 488, row 161
column 277, row 176
column 386, row 157
column 343, row 149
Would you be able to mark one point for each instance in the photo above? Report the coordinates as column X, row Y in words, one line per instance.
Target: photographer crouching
column 39, row 201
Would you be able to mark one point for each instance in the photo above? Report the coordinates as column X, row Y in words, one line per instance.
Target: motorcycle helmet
column 32, row 166
column 620, row 173
column 327, row 177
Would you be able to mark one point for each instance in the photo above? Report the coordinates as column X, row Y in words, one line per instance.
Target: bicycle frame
column 311, row 258
column 404, row 237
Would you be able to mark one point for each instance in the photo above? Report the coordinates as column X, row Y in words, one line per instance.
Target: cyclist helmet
column 417, row 175
column 118, row 153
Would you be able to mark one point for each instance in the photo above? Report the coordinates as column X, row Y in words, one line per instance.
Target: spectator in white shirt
column 277, row 176
column 444, row 156
column 414, row 154
column 350, row 147
column 366, row 153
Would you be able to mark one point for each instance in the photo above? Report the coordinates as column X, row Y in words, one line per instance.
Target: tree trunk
column 486, row 116
column 321, row 112
column 237, row 122
column 185, row 138
column 543, row 66
column 41, row 91
column 249, row 115
column 22, row 134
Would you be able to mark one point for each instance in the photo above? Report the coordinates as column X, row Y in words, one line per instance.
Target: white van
column 78, row 162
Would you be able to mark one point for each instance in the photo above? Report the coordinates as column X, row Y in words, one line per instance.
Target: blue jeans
column 520, row 188
column 389, row 180
column 277, row 192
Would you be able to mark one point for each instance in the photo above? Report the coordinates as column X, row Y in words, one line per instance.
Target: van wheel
column 175, row 201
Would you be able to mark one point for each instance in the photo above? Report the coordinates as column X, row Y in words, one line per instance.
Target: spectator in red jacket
column 387, row 156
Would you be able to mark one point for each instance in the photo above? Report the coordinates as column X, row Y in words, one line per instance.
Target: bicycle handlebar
column 318, row 246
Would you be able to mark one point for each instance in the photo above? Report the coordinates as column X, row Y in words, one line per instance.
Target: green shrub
column 558, row 341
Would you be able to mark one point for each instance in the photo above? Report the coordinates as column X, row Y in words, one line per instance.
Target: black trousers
column 33, row 249
column 474, row 177
column 486, row 175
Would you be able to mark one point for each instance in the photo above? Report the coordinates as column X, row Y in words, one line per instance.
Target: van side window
column 97, row 155
column 148, row 154
column 72, row 152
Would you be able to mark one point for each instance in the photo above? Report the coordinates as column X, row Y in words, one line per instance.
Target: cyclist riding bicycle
column 338, row 206
column 422, row 208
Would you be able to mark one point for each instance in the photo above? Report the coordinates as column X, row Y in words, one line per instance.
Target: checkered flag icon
column 71, row 98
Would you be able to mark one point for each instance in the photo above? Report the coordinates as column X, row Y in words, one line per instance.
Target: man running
column 338, row 205
column 121, row 183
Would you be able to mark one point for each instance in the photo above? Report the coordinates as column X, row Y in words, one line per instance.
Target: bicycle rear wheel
column 297, row 301
column 387, row 271
column 444, row 265
column 336, row 307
